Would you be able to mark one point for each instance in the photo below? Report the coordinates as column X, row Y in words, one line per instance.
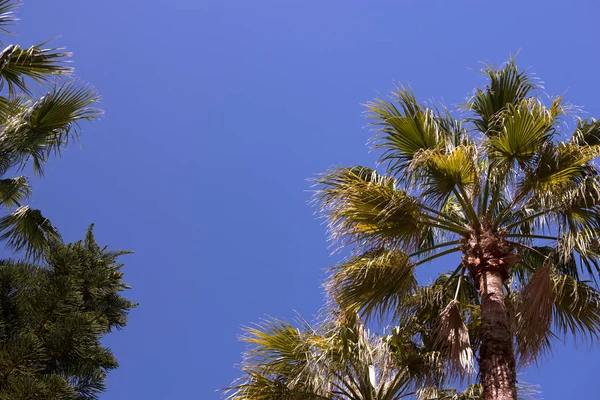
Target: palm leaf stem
column 443, row 215
column 467, row 207
column 521, row 220
column 437, row 246
column 515, row 235
column 440, row 254
column 461, row 230
column 524, row 246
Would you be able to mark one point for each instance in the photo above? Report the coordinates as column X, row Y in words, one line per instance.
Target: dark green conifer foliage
column 52, row 320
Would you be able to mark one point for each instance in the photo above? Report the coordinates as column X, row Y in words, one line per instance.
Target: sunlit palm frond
column 558, row 170
column 367, row 209
column 405, row 128
column 336, row 360
column 36, row 62
column 444, row 172
column 520, row 130
column 374, row 282
column 45, row 126
column 257, row 386
column 27, row 229
column 507, row 85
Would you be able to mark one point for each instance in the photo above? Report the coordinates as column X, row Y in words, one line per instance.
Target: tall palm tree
column 509, row 188
column 32, row 128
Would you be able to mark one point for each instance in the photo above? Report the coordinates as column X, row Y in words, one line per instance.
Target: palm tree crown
column 509, row 188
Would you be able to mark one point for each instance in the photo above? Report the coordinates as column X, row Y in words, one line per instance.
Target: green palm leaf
column 46, row 125
column 406, row 128
column 368, row 209
column 507, row 85
column 14, row 190
column 378, row 280
column 521, row 129
column 27, row 229
column 7, row 17
column 36, row 62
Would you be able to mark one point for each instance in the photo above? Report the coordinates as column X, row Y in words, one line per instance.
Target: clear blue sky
column 216, row 113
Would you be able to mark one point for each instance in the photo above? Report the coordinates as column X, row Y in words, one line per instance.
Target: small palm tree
column 509, row 189
column 337, row 360
column 32, row 129
column 341, row 359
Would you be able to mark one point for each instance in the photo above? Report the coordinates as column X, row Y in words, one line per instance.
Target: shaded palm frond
column 587, row 132
column 27, row 229
column 577, row 307
column 14, row 190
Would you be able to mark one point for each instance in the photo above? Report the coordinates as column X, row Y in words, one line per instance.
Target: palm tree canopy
column 509, row 186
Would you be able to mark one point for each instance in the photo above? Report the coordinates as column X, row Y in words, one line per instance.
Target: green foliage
column 32, row 129
column 52, row 320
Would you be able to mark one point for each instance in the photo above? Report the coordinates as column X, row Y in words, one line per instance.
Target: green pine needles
column 52, row 320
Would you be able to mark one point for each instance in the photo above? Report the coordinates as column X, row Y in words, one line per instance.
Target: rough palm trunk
column 496, row 355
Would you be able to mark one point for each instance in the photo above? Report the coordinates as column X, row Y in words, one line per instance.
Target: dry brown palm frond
column 534, row 317
column 452, row 338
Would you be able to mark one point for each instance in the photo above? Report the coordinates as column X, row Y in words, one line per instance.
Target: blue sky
column 217, row 112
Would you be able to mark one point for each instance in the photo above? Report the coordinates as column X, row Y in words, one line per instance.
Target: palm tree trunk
column 496, row 355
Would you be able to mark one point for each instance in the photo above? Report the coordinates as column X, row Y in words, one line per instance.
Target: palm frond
column 36, row 62
column 335, row 360
column 14, row 190
column 374, row 282
column 587, row 132
column 534, row 319
column 507, row 85
column 44, row 127
column 405, row 128
column 7, row 14
column 558, row 170
column 367, row 209
column 452, row 339
column 520, row 130
column 27, row 229
column 577, row 307
column 442, row 172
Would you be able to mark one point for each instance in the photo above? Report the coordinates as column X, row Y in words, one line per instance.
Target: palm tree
column 509, row 189
column 336, row 360
column 33, row 128
column 340, row 359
